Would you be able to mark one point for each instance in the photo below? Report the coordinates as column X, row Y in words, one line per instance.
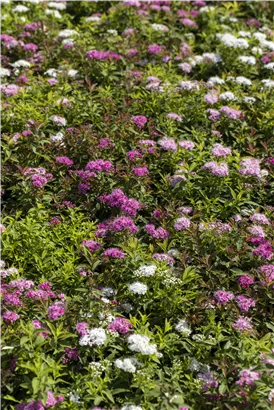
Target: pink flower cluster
column 250, row 166
column 117, row 199
column 102, row 55
column 223, row 297
column 120, row 325
column 248, row 377
column 92, row 246
column 99, row 165
column 220, row 170
column 139, row 120
column 56, row 310
column 157, row 233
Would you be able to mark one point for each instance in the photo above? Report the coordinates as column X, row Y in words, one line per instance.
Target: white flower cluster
column 94, row 337
column 159, row 27
column 128, row 365
column 54, row 13
column 52, row 72
column 243, row 81
column 229, row 40
column 140, row 344
column 269, row 66
column 72, row 73
column 7, row 272
column 213, row 58
column 271, row 395
column 75, row 398
column 131, row 407
column 206, row 9
column 67, row 33
column 58, row 6
column 227, row 96
column 170, row 280
column 268, row 83
column 4, row 72
column 97, row 368
column 61, row 121
column 200, row 337
column 183, row 327
column 249, row 100
column 215, row 80
column 189, row 85
column 244, row 33
column 93, row 19
column 138, row 288
column 146, row 270
column 57, row 138
column 20, row 9
column 21, row 63
column 250, row 60
column 261, row 37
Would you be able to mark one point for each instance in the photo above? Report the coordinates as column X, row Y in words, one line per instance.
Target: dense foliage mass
column 137, row 193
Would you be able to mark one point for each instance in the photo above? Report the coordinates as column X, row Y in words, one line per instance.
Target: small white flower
column 189, row 85
column 94, row 19
column 4, row 72
column 54, row 13
column 195, row 60
column 12, row 271
column 211, row 58
column 257, row 50
column 229, row 40
column 72, row 73
column 244, row 34
column 269, row 66
column 52, row 72
column 67, row 33
column 128, row 365
column 249, row 100
column 271, row 395
column 138, row 288
column 215, row 80
column 131, row 407
column 194, row 366
column 94, row 337
column 20, row 9
column 268, row 44
column 250, row 60
column 68, row 41
column 58, row 6
column 227, row 96
column 57, row 138
column 21, row 63
column 58, row 120
column 206, row 9
column 183, row 327
column 259, row 36
column 268, row 83
column 243, row 81
column 159, row 27
column 75, row 398
column 108, row 292
column 112, row 32
column 146, row 270
column 140, row 344
column 264, row 173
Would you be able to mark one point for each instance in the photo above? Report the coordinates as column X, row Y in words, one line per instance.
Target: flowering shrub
column 137, row 193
